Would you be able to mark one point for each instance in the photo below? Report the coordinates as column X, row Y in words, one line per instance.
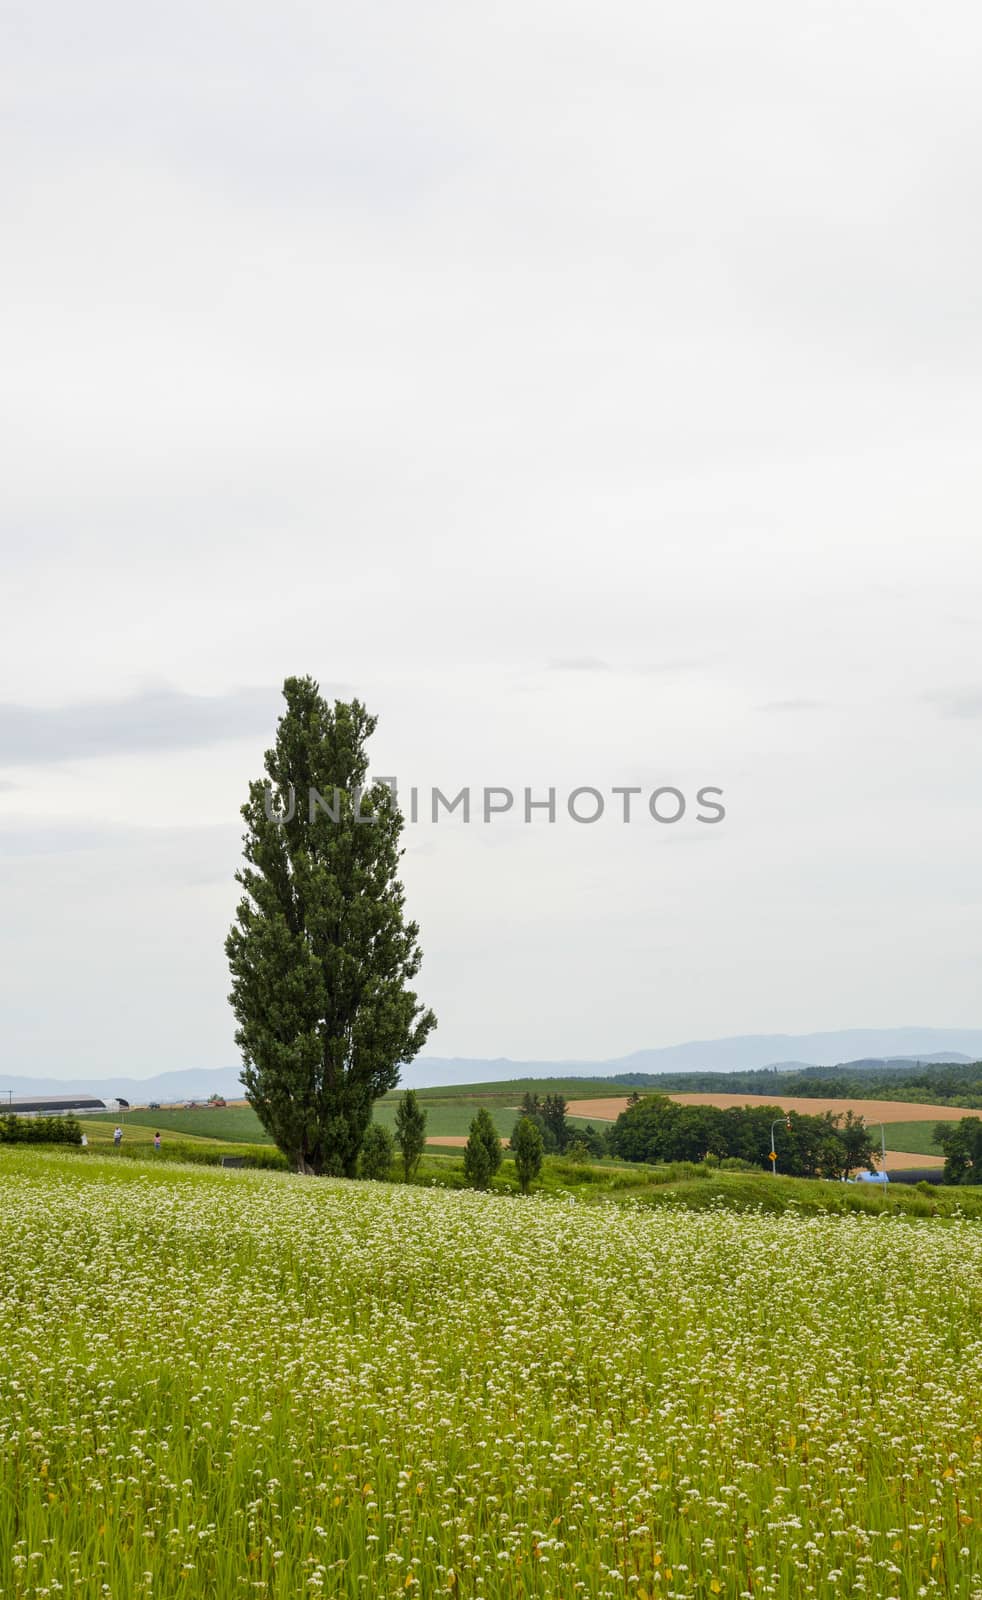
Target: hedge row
column 40, row 1130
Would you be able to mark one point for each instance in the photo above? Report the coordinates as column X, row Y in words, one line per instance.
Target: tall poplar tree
column 321, row 953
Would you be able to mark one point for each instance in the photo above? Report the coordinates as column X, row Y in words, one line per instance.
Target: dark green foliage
column 857, row 1142
column 482, row 1153
column 410, row 1132
column 585, row 1144
column 527, row 1149
column 377, row 1152
column 556, row 1127
column 321, row 953
column 477, row 1166
column 596, row 1143
column 657, row 1129
column 40, row 1130
column 549, row 1116
column 962, row 1146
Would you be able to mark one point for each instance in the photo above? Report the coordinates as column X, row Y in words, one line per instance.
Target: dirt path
column 454, row 1141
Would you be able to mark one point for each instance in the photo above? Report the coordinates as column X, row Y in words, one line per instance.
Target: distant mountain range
column 740, row 1053
column 787, row 1052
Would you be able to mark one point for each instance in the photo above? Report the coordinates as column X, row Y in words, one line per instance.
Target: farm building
column 49, row 1105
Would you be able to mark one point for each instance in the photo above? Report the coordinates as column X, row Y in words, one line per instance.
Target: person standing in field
column 156, row 1141
column 117, row 1137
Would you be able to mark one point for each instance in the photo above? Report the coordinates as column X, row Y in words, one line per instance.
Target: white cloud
column 432, row 351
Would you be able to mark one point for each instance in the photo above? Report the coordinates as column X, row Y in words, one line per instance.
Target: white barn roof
column 50, row 1104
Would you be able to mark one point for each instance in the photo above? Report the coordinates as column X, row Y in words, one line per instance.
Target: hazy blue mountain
column 858, row 1046
column 194, row 1083
column 737, row 1054
column 817, row 1049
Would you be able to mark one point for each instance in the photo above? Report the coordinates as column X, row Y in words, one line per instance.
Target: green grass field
column 98, row 1130
column 444, row 1117
column 445, row 1114
column 237, row 1124
column 215, row 1384
column 917, row 1138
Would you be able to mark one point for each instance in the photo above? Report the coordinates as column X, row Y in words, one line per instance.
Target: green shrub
column 527, row 1149
column 482, row 1153
column 375, row 1160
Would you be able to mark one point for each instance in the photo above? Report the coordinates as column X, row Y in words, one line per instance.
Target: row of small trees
column 40, row 1130
column 379, row 1147
column 482, row 1154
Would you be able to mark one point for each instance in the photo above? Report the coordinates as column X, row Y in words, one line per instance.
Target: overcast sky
column 593, row 390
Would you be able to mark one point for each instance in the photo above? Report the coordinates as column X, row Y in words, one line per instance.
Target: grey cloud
column 154, row 720
column 581, row 664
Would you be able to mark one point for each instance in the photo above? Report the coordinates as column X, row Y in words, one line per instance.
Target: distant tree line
column 942, row 1083
column 656, row 1129
column 40, row 1130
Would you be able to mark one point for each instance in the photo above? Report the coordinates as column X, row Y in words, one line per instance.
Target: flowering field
column 218, row 1384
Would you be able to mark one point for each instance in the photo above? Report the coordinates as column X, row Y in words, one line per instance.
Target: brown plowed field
column 903, row 1161
column 872, row 1110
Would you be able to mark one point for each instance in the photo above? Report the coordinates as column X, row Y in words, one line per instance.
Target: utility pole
column 786, row 1119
